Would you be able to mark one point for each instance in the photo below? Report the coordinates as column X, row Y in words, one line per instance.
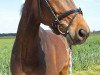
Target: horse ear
column 34, row 11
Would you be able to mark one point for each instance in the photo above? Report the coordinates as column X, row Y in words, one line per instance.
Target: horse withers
column 39, row 52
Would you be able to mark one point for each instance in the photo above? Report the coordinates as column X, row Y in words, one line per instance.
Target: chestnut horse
column 40, row 52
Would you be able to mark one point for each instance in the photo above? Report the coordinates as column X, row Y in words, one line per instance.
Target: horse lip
column 73, row 41
column 79, row 41
column 76, row 40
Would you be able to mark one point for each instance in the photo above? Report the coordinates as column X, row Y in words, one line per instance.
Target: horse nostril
column 82, row 33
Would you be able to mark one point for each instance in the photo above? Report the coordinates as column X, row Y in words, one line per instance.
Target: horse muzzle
column 79, row 38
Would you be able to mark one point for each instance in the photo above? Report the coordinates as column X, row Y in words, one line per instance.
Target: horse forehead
column 69, row 2
column 61, row 6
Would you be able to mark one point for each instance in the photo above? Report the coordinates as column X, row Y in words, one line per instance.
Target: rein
column 70, row 56
column 70, row 66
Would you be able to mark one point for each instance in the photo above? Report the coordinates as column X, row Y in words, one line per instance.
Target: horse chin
column 74, row 41
column 69, row 40
column 77, row 41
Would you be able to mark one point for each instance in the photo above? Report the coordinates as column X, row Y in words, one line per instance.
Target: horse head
column 64, row 18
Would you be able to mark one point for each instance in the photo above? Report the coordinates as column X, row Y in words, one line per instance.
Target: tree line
column 7, row 34
column 96, row 32
column 14, row 34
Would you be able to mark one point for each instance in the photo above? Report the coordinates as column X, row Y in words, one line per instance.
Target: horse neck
column 27, row 49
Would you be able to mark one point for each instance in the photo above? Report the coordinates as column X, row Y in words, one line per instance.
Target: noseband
column 57, row 19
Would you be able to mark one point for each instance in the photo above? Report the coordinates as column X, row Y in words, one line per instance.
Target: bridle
column 56, row 22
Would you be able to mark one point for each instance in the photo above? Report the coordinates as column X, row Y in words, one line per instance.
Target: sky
column 10, row 14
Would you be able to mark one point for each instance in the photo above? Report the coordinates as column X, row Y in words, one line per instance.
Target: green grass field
column 86, row 57
column 5, row 53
